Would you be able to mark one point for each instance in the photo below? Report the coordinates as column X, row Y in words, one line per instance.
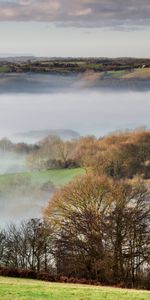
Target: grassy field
column 57, row 177
column 4, row 69
column 25, row 289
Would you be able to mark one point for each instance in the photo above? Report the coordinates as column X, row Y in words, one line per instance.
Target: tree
column 101, row 229
column 27, row 247
column 52, row 153
column 76, row 213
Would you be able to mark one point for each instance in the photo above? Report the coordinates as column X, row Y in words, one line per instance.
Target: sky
column 87, row 28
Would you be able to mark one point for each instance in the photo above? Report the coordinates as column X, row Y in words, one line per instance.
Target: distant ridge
column 65, row 134
column 15, row 59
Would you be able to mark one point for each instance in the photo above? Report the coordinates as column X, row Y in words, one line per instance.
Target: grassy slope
column 58, row 177
column 23, row 289
column 138, row 73
column 125, row 74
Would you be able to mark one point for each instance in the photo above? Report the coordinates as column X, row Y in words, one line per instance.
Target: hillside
column 57, row 177
column 21, row 289
column 113, row 68
column 141, row 73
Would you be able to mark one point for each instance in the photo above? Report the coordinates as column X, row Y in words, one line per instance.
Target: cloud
column 85, row 13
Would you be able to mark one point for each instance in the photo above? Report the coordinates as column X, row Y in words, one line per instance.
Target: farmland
column 125, row 68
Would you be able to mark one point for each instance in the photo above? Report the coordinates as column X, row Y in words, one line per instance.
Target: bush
column 46, row 276
column 9, row 272
column 27, row 274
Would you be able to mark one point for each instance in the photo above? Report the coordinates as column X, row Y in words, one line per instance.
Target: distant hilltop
column 37, row 135
column 7, row 58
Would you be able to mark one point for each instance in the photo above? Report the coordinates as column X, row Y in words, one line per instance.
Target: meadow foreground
column 23, row 289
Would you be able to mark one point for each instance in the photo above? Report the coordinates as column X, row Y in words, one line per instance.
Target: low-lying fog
column 36, row 102
column 21, row 197
column 12, row 163
column 86, row 104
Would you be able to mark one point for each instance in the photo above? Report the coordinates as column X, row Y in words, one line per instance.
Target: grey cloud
column 85, row 13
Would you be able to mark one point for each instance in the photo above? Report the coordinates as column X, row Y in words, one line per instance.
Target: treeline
column 119, row 155
column 26, row 247
column 6, row 146
column 123, row 155
column 27, row 251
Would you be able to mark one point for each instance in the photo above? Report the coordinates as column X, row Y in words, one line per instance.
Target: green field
column 25, row 289
column 57, row 177
column 114, row 74
column 4, row 69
